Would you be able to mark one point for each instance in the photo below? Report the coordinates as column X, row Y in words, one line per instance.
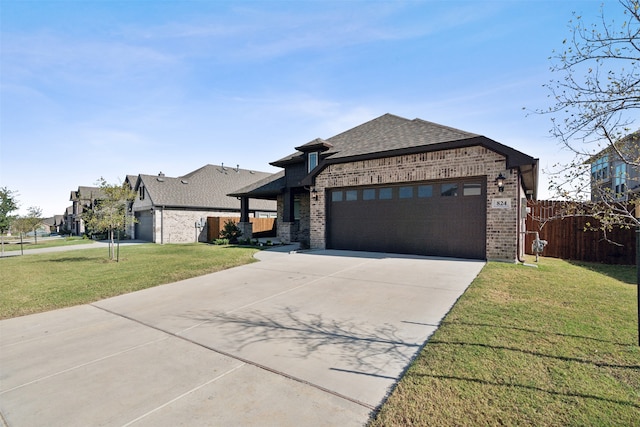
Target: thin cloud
column 48, row 56
column 245, row 34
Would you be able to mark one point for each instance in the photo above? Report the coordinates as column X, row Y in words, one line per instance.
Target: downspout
column 520, row 256
column 162, row 226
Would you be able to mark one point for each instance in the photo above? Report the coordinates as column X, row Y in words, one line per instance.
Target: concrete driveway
column 316, row 338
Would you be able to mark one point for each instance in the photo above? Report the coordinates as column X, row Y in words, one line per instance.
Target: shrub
column 221, row 242
column 230, row 231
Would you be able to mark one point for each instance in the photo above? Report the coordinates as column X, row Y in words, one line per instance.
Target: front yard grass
column 552, row 346
column 14, row 244
column 35, row 283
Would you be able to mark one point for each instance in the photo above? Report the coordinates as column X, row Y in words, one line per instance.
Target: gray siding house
column 614, row 174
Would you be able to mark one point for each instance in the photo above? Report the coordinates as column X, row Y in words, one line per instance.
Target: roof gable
column 391, row 135
column 86, row 193
column 384, row 134
column 317, row 144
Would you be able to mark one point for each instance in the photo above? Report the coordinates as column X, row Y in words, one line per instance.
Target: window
column 425, row 191
column 336, row 196
column 472, row 189
column 369, row 194
column 296, row 208
column 448, row 190
column 620, row 180
column 313, row 161
column 141, row 192
column 351, row 195
column 600, row 169
column 385, row 194
column 406, row 192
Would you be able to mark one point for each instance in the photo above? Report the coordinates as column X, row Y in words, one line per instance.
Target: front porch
column 292, row 223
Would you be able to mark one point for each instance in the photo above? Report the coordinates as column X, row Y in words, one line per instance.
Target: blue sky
column 107, row 88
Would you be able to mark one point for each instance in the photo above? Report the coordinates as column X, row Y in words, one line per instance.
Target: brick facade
column 179, row 226
column 296, row 231
column 502, row 241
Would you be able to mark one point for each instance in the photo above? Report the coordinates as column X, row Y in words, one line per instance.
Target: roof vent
column 184, row 181
column 160, row 178
column 161, row 174
column 237, row 168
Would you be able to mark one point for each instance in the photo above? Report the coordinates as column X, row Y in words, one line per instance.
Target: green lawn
column 36, row 283
column 13, row 244
column 549, row 346
column 553, row 346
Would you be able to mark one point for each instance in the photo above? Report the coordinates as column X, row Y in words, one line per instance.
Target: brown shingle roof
column 85, row 193
column 390, row 135
column 206, row 187
column 268, row 187
column 384, row 134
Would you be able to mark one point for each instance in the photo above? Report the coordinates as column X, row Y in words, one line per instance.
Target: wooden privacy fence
column 567, row 238
column 262, row 227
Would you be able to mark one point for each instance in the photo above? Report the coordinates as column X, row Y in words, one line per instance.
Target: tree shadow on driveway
column 359, row 347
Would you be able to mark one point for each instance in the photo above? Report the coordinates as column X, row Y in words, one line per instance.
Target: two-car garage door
column 444, row 218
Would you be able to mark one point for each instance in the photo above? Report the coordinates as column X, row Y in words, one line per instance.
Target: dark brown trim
column 515, row 158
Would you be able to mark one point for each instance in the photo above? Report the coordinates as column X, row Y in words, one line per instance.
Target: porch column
column 244, row 225
column 244, row 209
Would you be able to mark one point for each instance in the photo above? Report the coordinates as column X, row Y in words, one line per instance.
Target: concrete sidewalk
column 315, row 338
column 91, row 244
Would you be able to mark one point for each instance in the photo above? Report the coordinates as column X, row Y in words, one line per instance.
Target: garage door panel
column 144, row 226
column 436, row 225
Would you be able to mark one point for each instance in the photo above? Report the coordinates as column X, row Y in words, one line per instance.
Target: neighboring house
column 612, row 177
column 404, row 186
column 54, row 224
column 67, row 220
column 83, row 199
column 174, row 210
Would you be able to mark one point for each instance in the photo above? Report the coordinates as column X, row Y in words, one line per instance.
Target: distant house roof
column 391, row 135
column 628, row 146
column 131, row 180
column 206, row 187
column 85, row 193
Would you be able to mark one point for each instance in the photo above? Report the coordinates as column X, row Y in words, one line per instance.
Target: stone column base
column 247, row 230
column 285, row 232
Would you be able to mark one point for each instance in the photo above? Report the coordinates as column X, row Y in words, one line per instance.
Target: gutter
column 520, row 233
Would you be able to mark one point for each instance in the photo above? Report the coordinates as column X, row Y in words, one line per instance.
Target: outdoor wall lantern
column 500, row 182
column 314, row 193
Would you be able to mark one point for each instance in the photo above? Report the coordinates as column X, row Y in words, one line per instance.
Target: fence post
column 638, row 277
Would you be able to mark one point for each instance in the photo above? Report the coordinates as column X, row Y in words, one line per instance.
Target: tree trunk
column 111, row 245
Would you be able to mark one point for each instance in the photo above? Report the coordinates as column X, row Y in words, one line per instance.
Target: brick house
column 403, row 186
column 175, row 209
column 85, row 198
